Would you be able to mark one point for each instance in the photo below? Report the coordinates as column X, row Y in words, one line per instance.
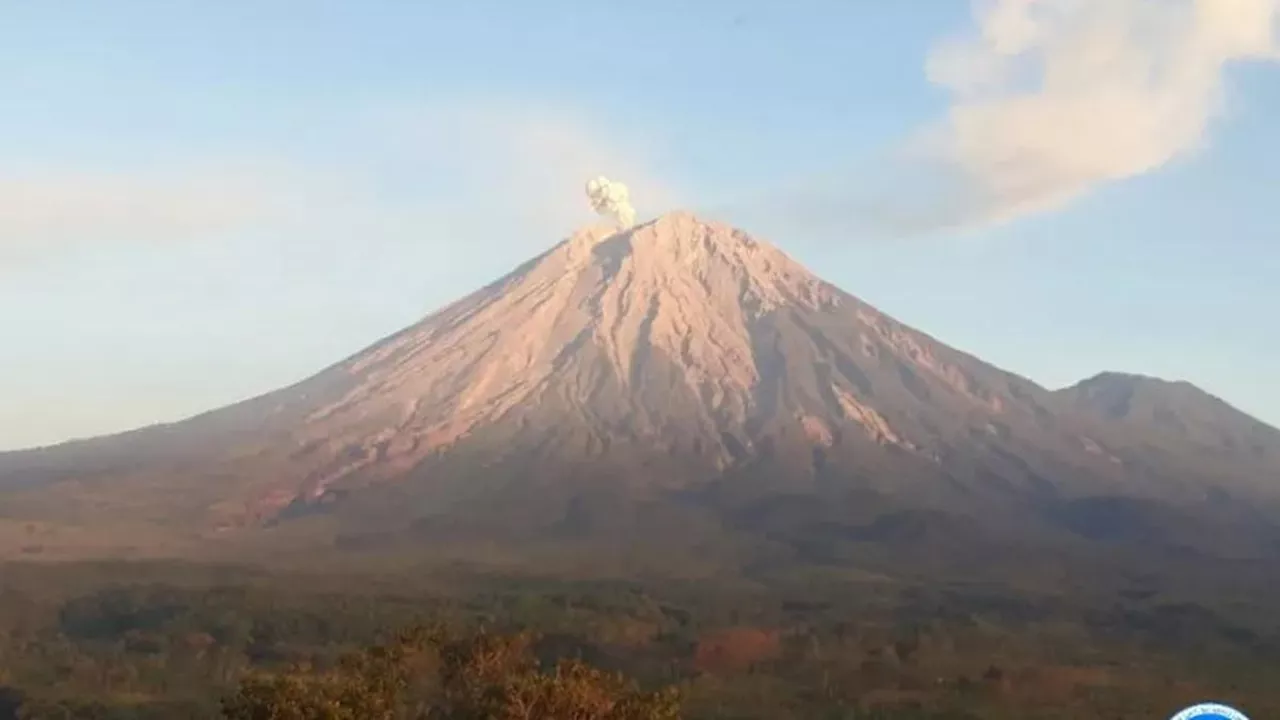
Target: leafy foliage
column 484, row 677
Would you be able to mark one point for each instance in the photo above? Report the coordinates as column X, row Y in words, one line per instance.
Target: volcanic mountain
column 681, row 365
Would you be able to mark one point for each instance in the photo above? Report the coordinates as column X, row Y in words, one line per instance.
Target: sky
column 201, row 202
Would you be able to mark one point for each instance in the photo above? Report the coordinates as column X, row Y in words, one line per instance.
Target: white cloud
column 1051, row 98
column 1047, row 100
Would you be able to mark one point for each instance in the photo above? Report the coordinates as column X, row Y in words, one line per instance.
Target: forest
column 177, row 640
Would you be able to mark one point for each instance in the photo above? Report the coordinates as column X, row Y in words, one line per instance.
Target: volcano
column 676, row 374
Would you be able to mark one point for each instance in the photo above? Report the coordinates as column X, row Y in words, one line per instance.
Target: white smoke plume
column 1052, row 98
column 611, row 198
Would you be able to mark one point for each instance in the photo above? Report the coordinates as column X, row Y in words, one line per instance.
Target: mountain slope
column 1177, row 411
column 677, row 369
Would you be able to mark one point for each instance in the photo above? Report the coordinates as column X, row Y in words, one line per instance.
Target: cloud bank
column 1052, row 98
column 54, row 209
column 450, row 174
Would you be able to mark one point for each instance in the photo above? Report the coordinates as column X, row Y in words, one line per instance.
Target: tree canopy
column 426, row 674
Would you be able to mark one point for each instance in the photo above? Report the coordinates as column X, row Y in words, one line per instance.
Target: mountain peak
column 1114, row 378
column 678, row 232
column 677, row 354
column 1115, row 392
column 1176, row 411
column 627, row 334
column 689, row 259
column 682, row 232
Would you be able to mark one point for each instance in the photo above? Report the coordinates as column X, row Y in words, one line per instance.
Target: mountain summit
column 627, row 336
column 657, row 364
column 1178, row 411
column 679, row 338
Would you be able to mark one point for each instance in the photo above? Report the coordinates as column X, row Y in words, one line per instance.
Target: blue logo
column 1210, row 711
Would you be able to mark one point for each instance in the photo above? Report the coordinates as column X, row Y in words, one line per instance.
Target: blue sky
column 203, row 201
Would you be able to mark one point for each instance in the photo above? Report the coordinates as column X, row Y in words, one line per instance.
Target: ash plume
column 612, row 199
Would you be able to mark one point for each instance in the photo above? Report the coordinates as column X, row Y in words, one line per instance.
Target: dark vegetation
column 427, row 674
column 194, row 641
